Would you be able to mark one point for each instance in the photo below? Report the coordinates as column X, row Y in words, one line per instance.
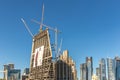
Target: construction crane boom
column 56, row 35
column 27, row 27
column 56, row 30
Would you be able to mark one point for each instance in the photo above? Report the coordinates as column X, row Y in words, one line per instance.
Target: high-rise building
column 86, row 69
column 83, row 71
column 89, row 64
column 102, row 67
column 41, row 66
column 11, row 73
column 111, row 68
column 117, row 71
column 97, row 71
column 65, row 67
column 9, row 67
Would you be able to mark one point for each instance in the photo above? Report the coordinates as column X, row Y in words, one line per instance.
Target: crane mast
column 55, row 30
column 42, row 18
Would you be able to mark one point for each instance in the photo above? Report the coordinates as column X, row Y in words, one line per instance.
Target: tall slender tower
column 83, row 70
column 111, row 68
column 89, row 64
column 117, row 71
column 98, row 72
column 102, row 67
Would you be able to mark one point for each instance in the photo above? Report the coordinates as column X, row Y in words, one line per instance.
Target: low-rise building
column 11, row 73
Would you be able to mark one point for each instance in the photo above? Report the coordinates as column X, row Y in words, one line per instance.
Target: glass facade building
column 98, row 72
column 14, row 74
column 11, row 73
column 111, row 68
column 117, row 61
column 86, row 69
column 102, row 67
column 83, row 71
column 89, row 64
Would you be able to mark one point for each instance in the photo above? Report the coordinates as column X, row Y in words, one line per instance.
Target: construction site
column 43, row 65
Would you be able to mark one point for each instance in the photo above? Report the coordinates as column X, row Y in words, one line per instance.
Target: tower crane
column 55, row 30
column 27, row 27
column 56, row 35
column 42, row 18
column 29, row 33
column 41, row 26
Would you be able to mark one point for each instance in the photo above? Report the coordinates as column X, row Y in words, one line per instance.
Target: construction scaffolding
column 42, row 65
column 61, row 69
column 46, row 70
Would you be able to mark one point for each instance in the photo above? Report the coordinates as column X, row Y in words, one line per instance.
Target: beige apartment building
column 66, row 69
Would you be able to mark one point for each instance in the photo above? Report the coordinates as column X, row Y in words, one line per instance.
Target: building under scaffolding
column 42, row 67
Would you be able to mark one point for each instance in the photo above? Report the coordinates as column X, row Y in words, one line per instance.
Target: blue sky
column 89, row 28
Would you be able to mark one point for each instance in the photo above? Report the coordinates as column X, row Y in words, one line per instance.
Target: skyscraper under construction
column 42, row 65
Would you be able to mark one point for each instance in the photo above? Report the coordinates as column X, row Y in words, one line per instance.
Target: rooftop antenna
column 42, row 18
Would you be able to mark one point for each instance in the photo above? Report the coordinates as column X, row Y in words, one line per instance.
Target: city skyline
column 89, row 28
column 108, row 69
